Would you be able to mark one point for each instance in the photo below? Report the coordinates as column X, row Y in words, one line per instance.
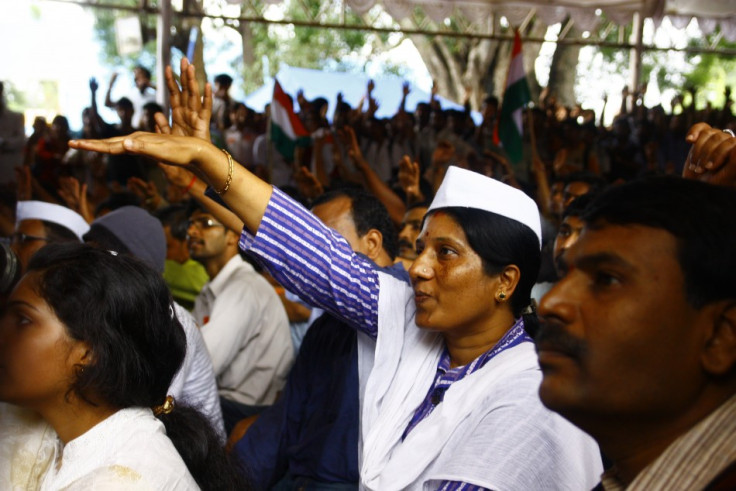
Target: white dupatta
column 464, row 424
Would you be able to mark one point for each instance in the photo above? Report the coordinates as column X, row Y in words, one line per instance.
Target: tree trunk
column 251, row 74
column 183, row 27
column 478, row 64
column 563, row 72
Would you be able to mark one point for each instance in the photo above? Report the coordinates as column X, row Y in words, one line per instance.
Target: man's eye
column 603, row 278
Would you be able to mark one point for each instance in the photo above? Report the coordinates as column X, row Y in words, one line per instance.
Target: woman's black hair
column 501, row 241
column 123, row 310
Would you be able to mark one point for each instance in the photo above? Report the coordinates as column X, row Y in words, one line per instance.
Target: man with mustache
column 409, row 230
column 638, row 340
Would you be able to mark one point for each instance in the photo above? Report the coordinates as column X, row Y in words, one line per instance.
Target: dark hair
column 176, row 218
column 223, row 79
column 318, row 104
column 124, row 103
column 501, row 241
column 596, row 182
column 153, row 107
column 61, row 120
column 491, row 100
column 367, row 213
column 123, row 310
column 579, row 205
column 58, row 233
column 145, row 71
column 699, row 215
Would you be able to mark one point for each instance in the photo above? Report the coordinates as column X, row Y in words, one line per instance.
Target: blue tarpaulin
column 316, row 83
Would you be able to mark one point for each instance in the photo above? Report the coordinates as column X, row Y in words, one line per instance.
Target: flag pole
column 532, row 134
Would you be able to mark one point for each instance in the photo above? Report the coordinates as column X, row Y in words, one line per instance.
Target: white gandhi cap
column 468, row 189
column 61, row 215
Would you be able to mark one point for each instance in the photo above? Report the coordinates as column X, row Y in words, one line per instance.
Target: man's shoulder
column 239, row 275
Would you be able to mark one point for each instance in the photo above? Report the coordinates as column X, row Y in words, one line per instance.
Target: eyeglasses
column 21, row 238
column 203, row 223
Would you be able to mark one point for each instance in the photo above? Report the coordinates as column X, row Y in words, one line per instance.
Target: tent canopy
column 585, row 13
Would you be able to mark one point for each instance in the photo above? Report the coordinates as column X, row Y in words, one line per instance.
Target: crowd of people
column 383, row 304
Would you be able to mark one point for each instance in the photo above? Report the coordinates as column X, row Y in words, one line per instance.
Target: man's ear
column 719, row 353
column 231, row 237
column 372, row 244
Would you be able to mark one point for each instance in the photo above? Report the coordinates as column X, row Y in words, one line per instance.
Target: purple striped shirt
column 318, row 264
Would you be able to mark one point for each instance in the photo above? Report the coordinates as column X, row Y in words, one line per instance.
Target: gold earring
column 501, row 296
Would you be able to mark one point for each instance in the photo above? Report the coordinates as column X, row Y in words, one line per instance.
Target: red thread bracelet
column 191, row 183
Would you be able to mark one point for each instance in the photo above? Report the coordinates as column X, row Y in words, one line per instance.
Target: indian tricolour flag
column 287, row 130
column 515, row 98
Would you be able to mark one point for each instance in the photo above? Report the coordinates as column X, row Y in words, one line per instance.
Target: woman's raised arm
column 245, row 194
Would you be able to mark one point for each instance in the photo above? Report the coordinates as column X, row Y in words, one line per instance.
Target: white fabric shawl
column 490, row 430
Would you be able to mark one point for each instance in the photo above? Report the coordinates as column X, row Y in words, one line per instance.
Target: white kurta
column 129, row 450
column 491, row 429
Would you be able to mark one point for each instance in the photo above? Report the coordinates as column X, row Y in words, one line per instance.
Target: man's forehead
column 201, row 213
column 574, row 222
column 334, row 209
column 414, row 216
column 633, row 243
column 30, row 225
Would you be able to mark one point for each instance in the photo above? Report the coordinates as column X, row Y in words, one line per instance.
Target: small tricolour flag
column 515, row 97
column 287, row 130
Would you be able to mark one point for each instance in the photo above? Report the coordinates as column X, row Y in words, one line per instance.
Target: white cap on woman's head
column 468, row 189
column 49, row 212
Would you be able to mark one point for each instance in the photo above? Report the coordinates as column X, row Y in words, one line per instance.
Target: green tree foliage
column 105, row 33
column 711, row 75
column 306, row 46
column 708, row 73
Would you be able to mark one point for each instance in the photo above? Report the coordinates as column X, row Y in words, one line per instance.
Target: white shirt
column 139, row 100
column 246, row 331
column 195, row 382
column 127, row 451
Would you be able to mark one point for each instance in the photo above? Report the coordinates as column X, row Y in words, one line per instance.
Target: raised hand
column 409, row 175
column 172, row 149
column 307, row 183
column 190, row 112
column 146, row 190
column 712, row 158
column 24, row 189
column 74, row 195
column 347, row 135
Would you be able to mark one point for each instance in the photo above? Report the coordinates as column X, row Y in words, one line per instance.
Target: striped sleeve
column 315, row 262
column 459, row 486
